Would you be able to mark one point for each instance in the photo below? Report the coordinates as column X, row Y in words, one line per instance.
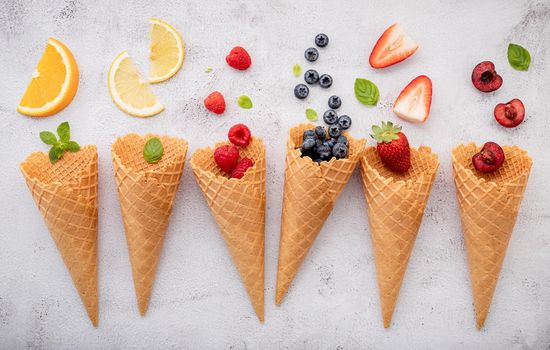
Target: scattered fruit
column 393, row 146
column 301, row 91
column 238, row 58
column 129, row 91
column 485, row 78
column 321, row 40
column 311, row 54
column 344, row 122
column 311, row 77
column 215, row 102
column 330, row 117
column 334, row 131
column 226, row 157
column 242, row 167
column 414, row 102
column 334, row 102
column 489, row 159
column 393, row 47
column 510, row 114
column 53, row 84
column 325, row 81
column 166, row 51
column 239, row 135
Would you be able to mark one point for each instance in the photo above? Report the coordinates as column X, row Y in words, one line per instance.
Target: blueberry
column 334, row 102
column 301, row 91
column 330, row 117
column 311, row 76
column 343, row 140
column 340, row 150
column 320, row 133
column 334, row 131
column 318, row 143
column 308, row 134
column 325, row 81
column 332, row 142
column 324, row 152
column 308, row 144
column 344, row 122
column 311, row 54
column 321, row 40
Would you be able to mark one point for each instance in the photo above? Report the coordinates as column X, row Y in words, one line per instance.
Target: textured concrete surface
column 198, row 301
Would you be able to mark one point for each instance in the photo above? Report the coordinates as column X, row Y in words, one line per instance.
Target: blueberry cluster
column 311, row 76
column 324, row 143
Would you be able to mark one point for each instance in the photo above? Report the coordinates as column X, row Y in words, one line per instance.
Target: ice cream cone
column 396, row 204
column 238, row 206
column 146, row 194
column 310, row 192
column 489, row 204
column 66, row 195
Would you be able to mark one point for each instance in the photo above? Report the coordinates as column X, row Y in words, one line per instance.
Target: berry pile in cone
column 227, row 156
column 392, row 146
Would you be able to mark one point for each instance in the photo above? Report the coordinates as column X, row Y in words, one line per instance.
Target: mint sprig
column 59, row 147
column 366, row 92
column 153, row 150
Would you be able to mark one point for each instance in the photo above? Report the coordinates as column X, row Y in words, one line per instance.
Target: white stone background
column 198, row 301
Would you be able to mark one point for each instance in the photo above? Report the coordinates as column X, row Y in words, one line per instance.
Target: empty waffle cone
column 66, row 195
column 310, row 192
column 238, row 206
column 146, row 194
column 489, row 204
column 396, row 204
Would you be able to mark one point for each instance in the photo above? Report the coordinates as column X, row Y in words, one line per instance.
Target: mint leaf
column 208, row 70
column 366, row 92
column 244, row 102
column 64, row 132
column 311, row 115
column 48, row 138
column 55, row 153
column 72, row 146
column 153, row 150
column 519, row 57
column 296, row 70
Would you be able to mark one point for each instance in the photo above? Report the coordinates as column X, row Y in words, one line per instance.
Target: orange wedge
column 53, row 84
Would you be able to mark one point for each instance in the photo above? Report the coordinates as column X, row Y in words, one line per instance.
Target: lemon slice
column 129, row 91
column 53, row 84
column 166, row 51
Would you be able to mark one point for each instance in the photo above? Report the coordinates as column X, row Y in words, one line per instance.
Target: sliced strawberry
column 393, row 47
column 414, row 102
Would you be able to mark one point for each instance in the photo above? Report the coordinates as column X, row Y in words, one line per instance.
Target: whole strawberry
column 242, row 167
column 393, row 146
column 238, row 58
column 227, row 157
column 215, row 102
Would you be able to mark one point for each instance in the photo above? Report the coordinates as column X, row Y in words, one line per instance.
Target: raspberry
column 226, row 157
column 215, row 102
column 239, row 135
column 242, row 167
column 238, row 58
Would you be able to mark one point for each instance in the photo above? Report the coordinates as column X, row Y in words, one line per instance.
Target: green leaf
column 311, row 115
column 64, row 132
column 72, row 146
column 153, row 150
column 48, row 138
column 386, row 132
column 296, row 70
column 208, row 70
column 244, row 102
column 519, row 57
column 366, row 92
column 55, row 153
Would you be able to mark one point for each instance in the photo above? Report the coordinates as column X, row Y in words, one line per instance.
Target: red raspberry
column 238, row 58
column 242, row 167
column 227, row 157
column 239, row 135
column 215, row 102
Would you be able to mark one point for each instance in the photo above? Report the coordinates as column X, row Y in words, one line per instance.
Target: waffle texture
column 310, row 192
column 396, row 204
column 238, row 206
column 489, row 204
column 146, row 194
column 66, row 195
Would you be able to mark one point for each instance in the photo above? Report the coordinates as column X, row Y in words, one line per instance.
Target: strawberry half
column 393, row 47
column 392, row 146
column 414, row 102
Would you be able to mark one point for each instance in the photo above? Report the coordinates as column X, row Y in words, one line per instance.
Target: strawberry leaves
column 59, row 147
column 386, row 132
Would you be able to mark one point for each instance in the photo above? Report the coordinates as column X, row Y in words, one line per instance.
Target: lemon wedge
column 166, row 51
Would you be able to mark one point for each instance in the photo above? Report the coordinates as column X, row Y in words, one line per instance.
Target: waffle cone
column 238, row 206
column 310, row 192
column 489, row 204
column 396, row 204
column 66, row 195
column 146, row 194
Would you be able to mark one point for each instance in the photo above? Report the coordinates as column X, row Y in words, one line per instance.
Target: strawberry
column 238, row 58
column 226, row 157
column 242, row 167
column 239, row 135
column 393, row 146
column 414, row 102
column 215, row 102
column 393, row 47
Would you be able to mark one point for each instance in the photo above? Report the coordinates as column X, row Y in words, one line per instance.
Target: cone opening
column 423, row 161
column 517, row 162
column 129, row 150
column 67, row 170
